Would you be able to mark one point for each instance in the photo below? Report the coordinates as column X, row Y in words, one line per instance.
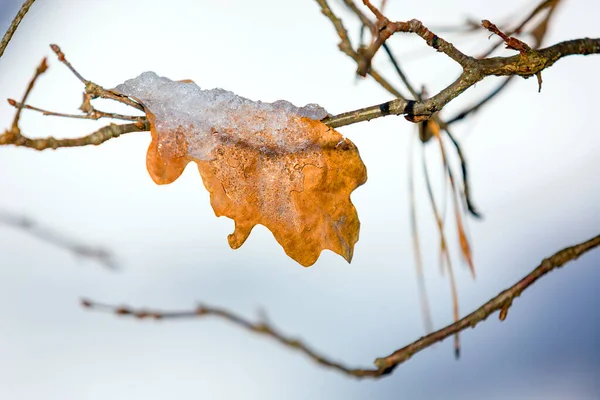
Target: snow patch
column 208, row 118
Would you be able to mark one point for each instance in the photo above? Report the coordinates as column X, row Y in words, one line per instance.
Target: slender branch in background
column 465, row 177
column 13, row 26
column 383, row 365
column 96, row 253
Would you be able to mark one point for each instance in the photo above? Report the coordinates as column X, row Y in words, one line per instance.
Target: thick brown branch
column 383, row 365
column 14, row 25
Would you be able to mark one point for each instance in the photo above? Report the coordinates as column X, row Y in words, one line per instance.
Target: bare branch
column 383, row 365
column 13, row 26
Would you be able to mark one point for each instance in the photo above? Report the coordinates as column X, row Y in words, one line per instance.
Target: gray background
column 534, row 163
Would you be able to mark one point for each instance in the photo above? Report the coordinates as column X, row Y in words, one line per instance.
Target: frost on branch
column 273, row 164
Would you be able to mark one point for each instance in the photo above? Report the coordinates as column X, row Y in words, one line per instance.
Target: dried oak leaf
column 263, row 163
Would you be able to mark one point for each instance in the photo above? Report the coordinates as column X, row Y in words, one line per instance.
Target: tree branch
column 383, row 365
column 99, row 254
column 532, row 63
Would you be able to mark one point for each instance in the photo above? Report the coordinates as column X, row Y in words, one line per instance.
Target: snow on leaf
column 273, row 164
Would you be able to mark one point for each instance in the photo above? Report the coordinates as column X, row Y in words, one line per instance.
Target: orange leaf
column 294, row 178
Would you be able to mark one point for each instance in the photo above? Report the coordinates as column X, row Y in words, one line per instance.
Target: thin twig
column 383, row 365
column 13, row 26
column 38, row 71
column 93, row 115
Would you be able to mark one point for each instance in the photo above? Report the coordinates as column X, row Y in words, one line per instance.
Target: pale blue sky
column 534, row 167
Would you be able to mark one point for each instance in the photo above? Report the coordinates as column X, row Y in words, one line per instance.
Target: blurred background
column 534, row 166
